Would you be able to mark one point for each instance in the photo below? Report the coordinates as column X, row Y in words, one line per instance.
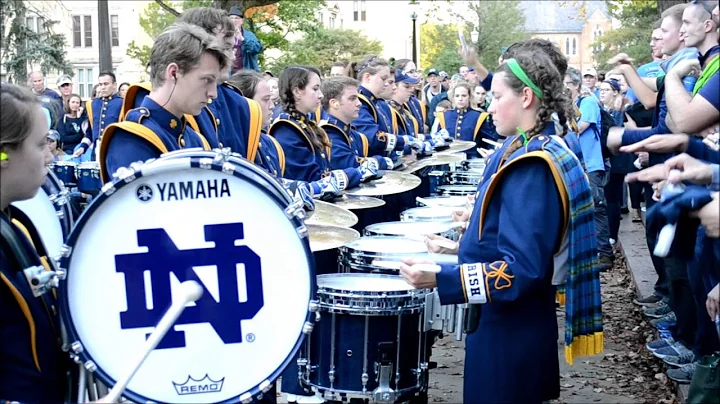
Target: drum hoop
column 238, row 169
column 63, row 205
column 398, row 301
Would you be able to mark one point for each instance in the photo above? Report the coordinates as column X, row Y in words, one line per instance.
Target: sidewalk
column 634, row 248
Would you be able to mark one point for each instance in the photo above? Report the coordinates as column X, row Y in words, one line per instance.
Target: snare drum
column 429, row 214
column 414, row 230
column 443, row 201
column 462, row 178
column 88, row 177
column 456, row 190
column 214, row 219
column 64, row 171
column 369, row 342
column 473, row 165
column 49, row 210
column 359, row 255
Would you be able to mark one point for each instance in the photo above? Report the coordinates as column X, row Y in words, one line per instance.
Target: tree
column 24, row 48
column 323, row 46
column 498, row 24
column 438, row 47
column 636, row 17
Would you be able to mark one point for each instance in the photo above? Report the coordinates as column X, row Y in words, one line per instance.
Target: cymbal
column 392, row 182
column 457, row 146
column 436, row 159
column 328, row 213
column 355, row 202
column 326, row 237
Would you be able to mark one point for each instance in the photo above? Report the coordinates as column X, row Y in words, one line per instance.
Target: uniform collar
column 163, row 117
column 461, row 110
column 704, row 58
column 340, row 124
column 367, row 93
column 110, row 98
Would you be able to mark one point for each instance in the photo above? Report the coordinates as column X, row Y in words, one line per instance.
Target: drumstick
column 396, row 266
column 491, row 142
column 190, row 291
column 423, row 201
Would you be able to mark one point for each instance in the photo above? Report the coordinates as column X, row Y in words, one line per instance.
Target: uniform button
column 102, row 123
column 103, row 115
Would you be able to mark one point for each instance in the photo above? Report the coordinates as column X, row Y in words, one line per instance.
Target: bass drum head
column 50, row 213
column 186, row 218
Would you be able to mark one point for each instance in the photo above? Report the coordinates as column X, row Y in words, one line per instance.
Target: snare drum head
column 44, row 216
column 410, row 228
column 381, row 244
column 363, row 282
column 140, row 239
column 457, row 201
column 426, row 213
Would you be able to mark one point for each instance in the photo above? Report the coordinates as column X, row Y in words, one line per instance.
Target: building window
column 567, row 46
column 87, row 28
column 85, row 81
column 362, row 10
column 356, row 15
column 597, row 33
column 77, row 32
column 114, row 30
column 35, row 23
column 574, row 48
column 331, row 22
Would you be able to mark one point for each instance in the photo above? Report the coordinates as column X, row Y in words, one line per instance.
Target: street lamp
column 474, row 35
column 413, row 17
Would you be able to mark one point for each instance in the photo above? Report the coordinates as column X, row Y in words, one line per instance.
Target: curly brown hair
column 540, row 69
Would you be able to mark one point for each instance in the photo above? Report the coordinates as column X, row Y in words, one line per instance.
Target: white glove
column 369, row 169
column 390, row 164
column 300, row 191
column 443, row 133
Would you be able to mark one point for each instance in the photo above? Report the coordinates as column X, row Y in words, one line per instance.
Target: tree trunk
column 665, row 4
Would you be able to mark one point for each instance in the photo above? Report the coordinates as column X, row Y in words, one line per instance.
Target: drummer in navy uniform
column 101, row 111
column 239, row 120
column 185, row 64
column 33, row 367
column 465, row 123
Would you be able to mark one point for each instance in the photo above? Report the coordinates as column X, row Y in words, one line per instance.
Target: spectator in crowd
column 73, row 125
column 479, row 100
column 590, row 79
column 247, row 46
column 65, row 87
column 338, row 69
column 122, row 89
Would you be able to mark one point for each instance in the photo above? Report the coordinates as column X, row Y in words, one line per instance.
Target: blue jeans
column 598, row 179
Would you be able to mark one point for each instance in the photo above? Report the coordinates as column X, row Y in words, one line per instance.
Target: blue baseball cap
column 402, row 77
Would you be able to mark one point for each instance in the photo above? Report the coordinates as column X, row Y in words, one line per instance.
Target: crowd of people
column 574, row 146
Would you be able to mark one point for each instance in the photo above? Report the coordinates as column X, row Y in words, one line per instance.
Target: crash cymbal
column 328, row 213
column 326, row 237
column 436, row 159
column 392, row 182
column 457, row 146
column 354, row 202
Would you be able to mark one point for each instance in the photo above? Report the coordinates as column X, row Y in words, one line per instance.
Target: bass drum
column 203, row 216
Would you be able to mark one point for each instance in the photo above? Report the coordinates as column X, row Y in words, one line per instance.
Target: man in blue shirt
column 589, row 127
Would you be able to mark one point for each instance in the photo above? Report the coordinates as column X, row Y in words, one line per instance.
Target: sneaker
column 646, row 301
column 612, row 241
column 636, row 216
column 659, row 344
column 643, row 209
column 658, row 311
column 665, row 334
column 605, row 263
column 664, row 323
column 675, row 349
column 683, row 374
column 683, row 359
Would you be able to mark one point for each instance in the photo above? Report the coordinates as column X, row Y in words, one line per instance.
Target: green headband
column 520, row 73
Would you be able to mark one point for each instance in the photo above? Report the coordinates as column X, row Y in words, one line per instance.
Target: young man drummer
column 185, row 65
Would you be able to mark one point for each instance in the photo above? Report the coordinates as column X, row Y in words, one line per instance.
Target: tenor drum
column 462, row 178
column 369, row 342
column 64, row 171
column 430, row 214
column 49, row 211
column 88, row 177
column 207, row 217
column 414, row 230
column 477, row 165
column 359, row 255
column 456, row 190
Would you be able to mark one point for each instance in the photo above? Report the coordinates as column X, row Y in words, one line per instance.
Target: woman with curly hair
column 531, row 233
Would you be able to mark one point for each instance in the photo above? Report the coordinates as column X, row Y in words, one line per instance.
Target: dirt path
column 625, row 373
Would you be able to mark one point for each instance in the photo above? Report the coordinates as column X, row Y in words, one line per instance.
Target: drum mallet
column 190, row 291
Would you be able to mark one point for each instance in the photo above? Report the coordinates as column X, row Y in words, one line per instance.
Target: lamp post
column 474, row 35
column 413, row 16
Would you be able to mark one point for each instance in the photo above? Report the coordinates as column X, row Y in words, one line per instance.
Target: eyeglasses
column 604, row 90
column 65, row 85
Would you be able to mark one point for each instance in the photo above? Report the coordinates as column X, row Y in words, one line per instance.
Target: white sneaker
column 612, row 241
column 310, row 399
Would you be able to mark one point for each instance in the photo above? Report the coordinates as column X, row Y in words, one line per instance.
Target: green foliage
column 498, row 24
column 23, row 47
column 501, row 24
column 322, row 47
column 636, row 18
column 153, row 21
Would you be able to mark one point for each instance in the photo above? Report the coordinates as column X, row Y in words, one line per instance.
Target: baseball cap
column 432, row 71
column 53, row 134
column 590, row 72
column 62, row 80
column 457, row 76
column 402, row 77
column 237, row 11
column 444, row 75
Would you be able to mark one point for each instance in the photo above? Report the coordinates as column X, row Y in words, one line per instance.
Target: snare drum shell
column 456, row 190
